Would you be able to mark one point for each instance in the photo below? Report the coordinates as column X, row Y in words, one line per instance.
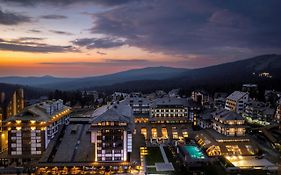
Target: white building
column 111, row 133
column 237, row 101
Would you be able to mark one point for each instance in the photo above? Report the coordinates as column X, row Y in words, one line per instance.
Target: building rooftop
column 37, row 113
column 236, row 95
column 169, row 101
column 135, row 100
column 224, row 114
column 115, row 112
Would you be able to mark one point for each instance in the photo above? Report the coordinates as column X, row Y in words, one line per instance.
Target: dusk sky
column 75, row 38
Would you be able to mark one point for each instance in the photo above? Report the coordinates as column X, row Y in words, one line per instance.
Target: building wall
column 230, row 127
column 169, row 114
column 237, row 105
column 111, row 145
column 112, row 141
column 31, row 137
column 16, row 103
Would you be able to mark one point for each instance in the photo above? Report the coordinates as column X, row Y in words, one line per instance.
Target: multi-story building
column 16, row 103
column 30, row 131
column 219, row 100
column 193, row 109
column 277, row 116
column 140, row 106
column 252, row 89
column 228, row 123
column 169, row 110
column 111, row 133
column 237, row 101
column 201, row 97
column 257, row 112
column 204, row 119
column 254, row 108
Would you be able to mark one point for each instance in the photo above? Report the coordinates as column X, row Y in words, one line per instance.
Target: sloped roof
column 169, row 101
column 36, row 113
column 224, row 114
column 236, row 95
column 113, row 113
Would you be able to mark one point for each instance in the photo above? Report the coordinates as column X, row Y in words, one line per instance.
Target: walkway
column 166, row 166
column 163, row 154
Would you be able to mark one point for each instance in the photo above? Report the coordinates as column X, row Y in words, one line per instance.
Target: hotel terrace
column 30, row 131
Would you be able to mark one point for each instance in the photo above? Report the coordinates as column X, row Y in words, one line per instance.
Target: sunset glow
column 74, row 39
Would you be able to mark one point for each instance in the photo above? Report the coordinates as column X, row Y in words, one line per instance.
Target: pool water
column 194, row 152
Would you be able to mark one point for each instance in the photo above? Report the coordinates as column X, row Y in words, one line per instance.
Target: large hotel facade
column 111, row 133
column 30, row 131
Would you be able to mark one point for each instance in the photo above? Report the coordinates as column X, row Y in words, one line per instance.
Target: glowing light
column 32, row 121
column 18, row 128
column 43, row 128
column 18, row 121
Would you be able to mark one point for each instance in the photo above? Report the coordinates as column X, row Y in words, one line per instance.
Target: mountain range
column 226, row 75
column 49, row 82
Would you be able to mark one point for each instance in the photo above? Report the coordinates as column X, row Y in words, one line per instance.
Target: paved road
column 77, row 143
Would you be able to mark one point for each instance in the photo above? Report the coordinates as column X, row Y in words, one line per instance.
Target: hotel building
column 237, row 101
column 111, row 133
column 140, row 106
column 227, row 136
column 30, row 131
column 169, row 110
column 228, row 123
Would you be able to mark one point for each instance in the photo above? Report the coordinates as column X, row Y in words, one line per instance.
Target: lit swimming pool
column 194, row 152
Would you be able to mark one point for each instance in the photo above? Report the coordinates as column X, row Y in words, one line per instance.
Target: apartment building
column 30, row 131
column 237, row 101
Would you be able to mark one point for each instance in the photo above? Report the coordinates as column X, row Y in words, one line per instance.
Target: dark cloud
column 30, row 39
column 61, row 32
column 67, row 2
column 35, row 31
column 53, row 17
column 101, row 53
column 98, row 43
column 210, row 28
column 9, row 18
column 28, row 45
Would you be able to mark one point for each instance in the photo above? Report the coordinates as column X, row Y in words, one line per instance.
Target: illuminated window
column 164, row 133
column 154, row 133
column 175, row 135
column 144, row 132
